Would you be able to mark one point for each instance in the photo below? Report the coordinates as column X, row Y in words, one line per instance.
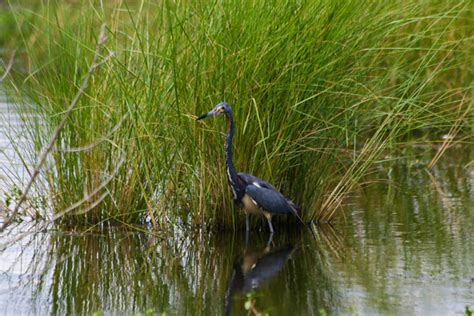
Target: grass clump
column 320, row 90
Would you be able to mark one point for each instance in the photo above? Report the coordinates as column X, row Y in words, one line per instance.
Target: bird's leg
column 269, row 220
column 247, row 229
column 269, row 242
column 247, row 225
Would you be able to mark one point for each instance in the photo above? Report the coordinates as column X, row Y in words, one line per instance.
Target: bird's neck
column 232, row 176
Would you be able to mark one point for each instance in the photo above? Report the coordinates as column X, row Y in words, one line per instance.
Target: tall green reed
column 321, row 90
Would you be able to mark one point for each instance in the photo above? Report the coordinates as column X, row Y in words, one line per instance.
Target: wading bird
column 255, row 195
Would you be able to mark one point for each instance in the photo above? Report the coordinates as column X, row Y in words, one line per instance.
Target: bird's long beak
column 202, row 117
column 211, row 113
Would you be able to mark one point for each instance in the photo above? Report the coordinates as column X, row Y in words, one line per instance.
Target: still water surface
column 12, row 168
column 405, row 247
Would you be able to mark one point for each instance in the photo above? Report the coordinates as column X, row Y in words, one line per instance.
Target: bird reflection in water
column 253, row 268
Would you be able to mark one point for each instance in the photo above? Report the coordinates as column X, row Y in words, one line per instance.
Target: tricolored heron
column 255, row 195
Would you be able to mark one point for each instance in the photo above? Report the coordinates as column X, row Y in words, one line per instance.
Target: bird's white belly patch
column 250, row 205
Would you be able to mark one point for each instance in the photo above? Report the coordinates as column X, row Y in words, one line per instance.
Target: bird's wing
column 249, row 179
column 270, row 200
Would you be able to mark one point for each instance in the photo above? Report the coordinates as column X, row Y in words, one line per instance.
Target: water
column 406, row 247
column 12, row 168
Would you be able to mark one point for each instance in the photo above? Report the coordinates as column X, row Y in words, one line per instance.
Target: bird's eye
column 221, row 109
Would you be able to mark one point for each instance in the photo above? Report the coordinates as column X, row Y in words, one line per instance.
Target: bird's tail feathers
column 296, row 209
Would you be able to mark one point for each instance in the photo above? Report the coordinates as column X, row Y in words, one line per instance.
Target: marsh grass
column 320, row 90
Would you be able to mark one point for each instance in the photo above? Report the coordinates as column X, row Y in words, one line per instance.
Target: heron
column 253, row 194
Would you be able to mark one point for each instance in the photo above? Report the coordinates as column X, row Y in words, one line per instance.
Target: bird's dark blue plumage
column 254, row 194
column 248, row 178
column 272, row 201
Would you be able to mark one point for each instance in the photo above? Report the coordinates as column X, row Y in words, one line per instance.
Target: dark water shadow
column 271, row 269
column 255, row 266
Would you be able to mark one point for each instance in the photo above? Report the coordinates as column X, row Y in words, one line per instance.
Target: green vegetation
column 321, row 92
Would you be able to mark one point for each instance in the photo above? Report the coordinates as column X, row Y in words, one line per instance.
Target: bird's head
column 219, row 109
